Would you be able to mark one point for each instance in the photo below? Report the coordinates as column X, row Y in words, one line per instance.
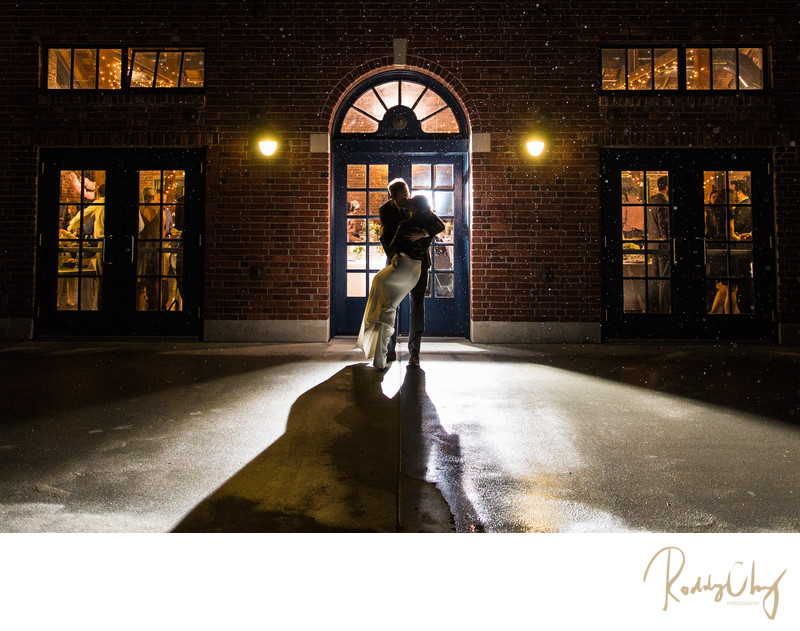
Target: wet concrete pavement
column 190, row 436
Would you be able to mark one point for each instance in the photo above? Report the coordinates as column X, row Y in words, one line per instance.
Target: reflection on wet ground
column 141, row 437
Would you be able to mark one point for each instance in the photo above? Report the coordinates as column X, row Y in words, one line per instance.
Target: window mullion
column 180, row 69
column 653, row 69
column 419, row 98
column 380, row 100
column 155, row 69
column 126, row 69
column 627, row 53
column 367, row 114
column 441, row 109
column 738, row 81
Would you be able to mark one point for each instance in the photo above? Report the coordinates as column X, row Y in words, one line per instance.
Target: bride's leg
column 384, row 335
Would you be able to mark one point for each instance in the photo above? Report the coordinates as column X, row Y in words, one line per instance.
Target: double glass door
column 361, row 182
column 120, row 240
column 688, row 244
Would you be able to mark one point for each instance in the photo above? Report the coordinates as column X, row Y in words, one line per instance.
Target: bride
column 394, row 281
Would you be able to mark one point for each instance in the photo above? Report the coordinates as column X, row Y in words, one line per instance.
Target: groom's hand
column 415, row 234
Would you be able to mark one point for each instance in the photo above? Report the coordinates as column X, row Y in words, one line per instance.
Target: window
column 124, row 68
column 429, row 108
column 682, row 68
column 166, row 68
column 84, row 69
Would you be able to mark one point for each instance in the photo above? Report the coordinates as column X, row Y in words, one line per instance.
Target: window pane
column 613, row 69
column 110, row 69
column 443, row 257
column 715, row 224
column 443, row 175
column 356, row 285
column 356, row 176
column 442, row 123
column 374, row 230
column 421, row 176
column 85, row 70
column 742, row 297
column 376, row 200
column 640, row 71
column 724, row 68
column 698, row 69
column 658, row 296
column 632, row 187
column 443, row 285
column 169, row 65
column 632, row 223
column 657, row 187
column 634, row 295
column 718, row 296
column 356, row 230
column 172, row 186
column 377, row 257
column 714, row 187
column 356, row 123
column 410, row 93
column 142, row 69
column 751, row 69
column 172, row 282
column 193, row 70
column 428, row 104
column 390, row 93
column 356, row 257
column 378, row 175
column 78, row 185
column 90, row 293
column 369, row 103
column 446, row 236
column 666, row 67
column 443, row 203
column 742, row 260
column 150, row 187
column 58, row 68
column 356, row 203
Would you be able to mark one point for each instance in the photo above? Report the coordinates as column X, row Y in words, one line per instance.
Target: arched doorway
column 399, row 124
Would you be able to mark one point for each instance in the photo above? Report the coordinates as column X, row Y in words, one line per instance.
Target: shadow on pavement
column 334, row 468
column 430, row 456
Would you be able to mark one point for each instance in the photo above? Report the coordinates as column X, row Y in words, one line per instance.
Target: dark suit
column 395, row 221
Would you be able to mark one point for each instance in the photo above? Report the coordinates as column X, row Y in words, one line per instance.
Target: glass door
column 361, row 182
column 120, row 243
column 688, row 244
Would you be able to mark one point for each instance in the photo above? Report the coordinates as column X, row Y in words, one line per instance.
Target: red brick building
column 664, row 204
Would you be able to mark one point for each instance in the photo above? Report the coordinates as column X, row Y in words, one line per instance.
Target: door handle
column 105, row 239
column 705, row 249
column 132, row 245
column 674, row 251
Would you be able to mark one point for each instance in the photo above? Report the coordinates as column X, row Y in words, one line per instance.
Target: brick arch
column 386, row 64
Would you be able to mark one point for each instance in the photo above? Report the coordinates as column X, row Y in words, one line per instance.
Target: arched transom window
column 398, row 104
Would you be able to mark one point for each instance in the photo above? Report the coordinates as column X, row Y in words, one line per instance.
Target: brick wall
column 513, row 64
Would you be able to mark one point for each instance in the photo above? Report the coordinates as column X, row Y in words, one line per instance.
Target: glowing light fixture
column 535, row 146
column 268, row 146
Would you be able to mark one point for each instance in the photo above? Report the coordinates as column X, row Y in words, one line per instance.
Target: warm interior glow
column 268, row 147
column 535, row 147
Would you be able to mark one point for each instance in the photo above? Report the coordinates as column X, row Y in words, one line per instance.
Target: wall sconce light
column 267, row 145
column 535, row 146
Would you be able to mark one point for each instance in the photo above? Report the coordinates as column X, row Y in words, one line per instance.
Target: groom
column 391, row 214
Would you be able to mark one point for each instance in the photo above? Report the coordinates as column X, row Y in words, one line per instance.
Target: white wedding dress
column 389, row 287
